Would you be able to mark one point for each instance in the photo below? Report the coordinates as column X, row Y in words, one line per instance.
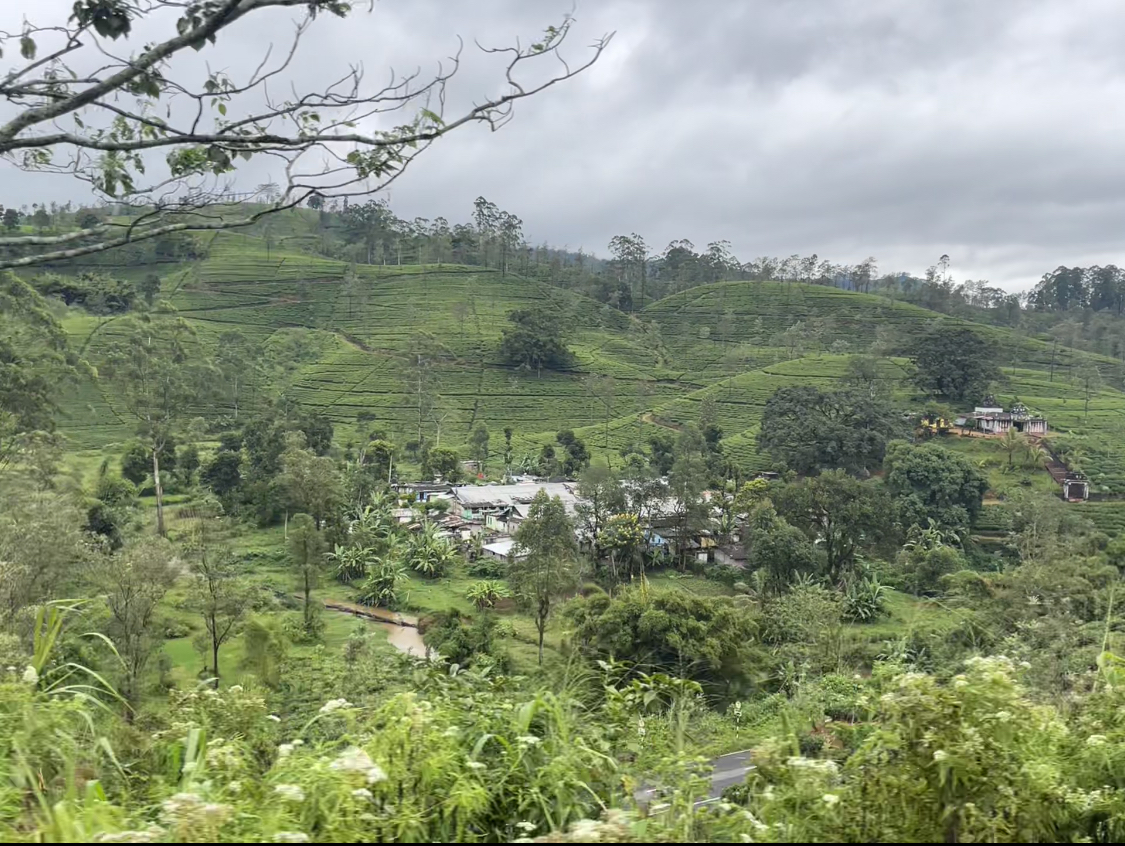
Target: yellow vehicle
column 935, row 425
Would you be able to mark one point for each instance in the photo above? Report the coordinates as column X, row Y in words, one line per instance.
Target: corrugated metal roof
column 483, row 496
column 500, row 548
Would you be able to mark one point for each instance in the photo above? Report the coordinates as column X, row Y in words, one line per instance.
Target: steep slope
column 345, row 347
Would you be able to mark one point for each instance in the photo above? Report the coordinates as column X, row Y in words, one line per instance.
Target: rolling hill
column 344, row 346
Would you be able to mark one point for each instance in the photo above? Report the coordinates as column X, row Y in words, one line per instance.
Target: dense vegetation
column 225, row 701
column 226, row 617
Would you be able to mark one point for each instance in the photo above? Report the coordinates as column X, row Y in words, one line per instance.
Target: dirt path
column 649, row 417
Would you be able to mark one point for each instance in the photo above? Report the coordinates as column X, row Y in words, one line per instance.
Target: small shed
column 501, row 549
column 731, row 554
column 1075, row 487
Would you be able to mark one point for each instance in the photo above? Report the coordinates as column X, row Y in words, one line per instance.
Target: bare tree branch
column 321, row 137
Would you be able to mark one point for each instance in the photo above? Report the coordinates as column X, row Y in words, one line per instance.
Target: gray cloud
column 988, row 131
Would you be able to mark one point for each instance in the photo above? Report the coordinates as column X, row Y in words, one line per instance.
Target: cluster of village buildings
column 493, row 512
column 485, row 517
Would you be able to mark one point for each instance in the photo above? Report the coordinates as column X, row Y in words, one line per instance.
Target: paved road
column 727, row 770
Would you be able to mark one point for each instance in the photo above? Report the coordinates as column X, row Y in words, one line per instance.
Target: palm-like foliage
column 375, row 526
column 1013, row 443
column 930, row 537
column 864, row 600
column 385, row 579
column 486, row 593
column 1034, row 454
column 350, row 562
column 429, row 553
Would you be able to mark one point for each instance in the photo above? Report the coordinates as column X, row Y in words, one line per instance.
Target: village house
column 424, row 491
column 731, row 555
column 502, row 508
column 991, row 419
column 994, row 420
column 501, row 549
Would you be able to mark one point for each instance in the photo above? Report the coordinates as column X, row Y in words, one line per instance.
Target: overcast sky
column 992, row 132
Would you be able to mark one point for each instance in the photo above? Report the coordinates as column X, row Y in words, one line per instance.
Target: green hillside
column 344, row 346
column 714, row 329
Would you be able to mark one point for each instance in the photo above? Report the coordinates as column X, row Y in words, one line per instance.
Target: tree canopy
column 545, row 566
column 954, row 363
column 702, row 638
column 161, row 373
column 34, row 361
column 842, row 513
column 929, row 481
column 807, row 429
column 780, row 552
column 535, row 340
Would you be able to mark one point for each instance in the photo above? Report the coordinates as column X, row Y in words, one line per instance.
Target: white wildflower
column 830, row 799
column 585, row 831
column 362, row 793
column 334, row 705
column 298, row 742
column 235, row 787
column 235, row 688
column 183, row 799
column 290, row 792
column 152, row 834
column 452, row 731
column 825, row 767
column 526, row 826
column 273, row 718
column 641, row 730
column 1026, row 665
column 1003, row 716
column 12, row 670
column 290, row 837
column 1097, row 740
column 745, row 838
column 476, row 765
column 189, row 766
column 285, row 750
column 188, row 809
column 353, row 759
column 940, row 755
column 375, row 774
column 215, row 813
column 30, row 675
column 759, row 826
column 528, row 740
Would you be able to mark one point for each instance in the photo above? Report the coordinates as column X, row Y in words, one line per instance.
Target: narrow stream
column 404, row 638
